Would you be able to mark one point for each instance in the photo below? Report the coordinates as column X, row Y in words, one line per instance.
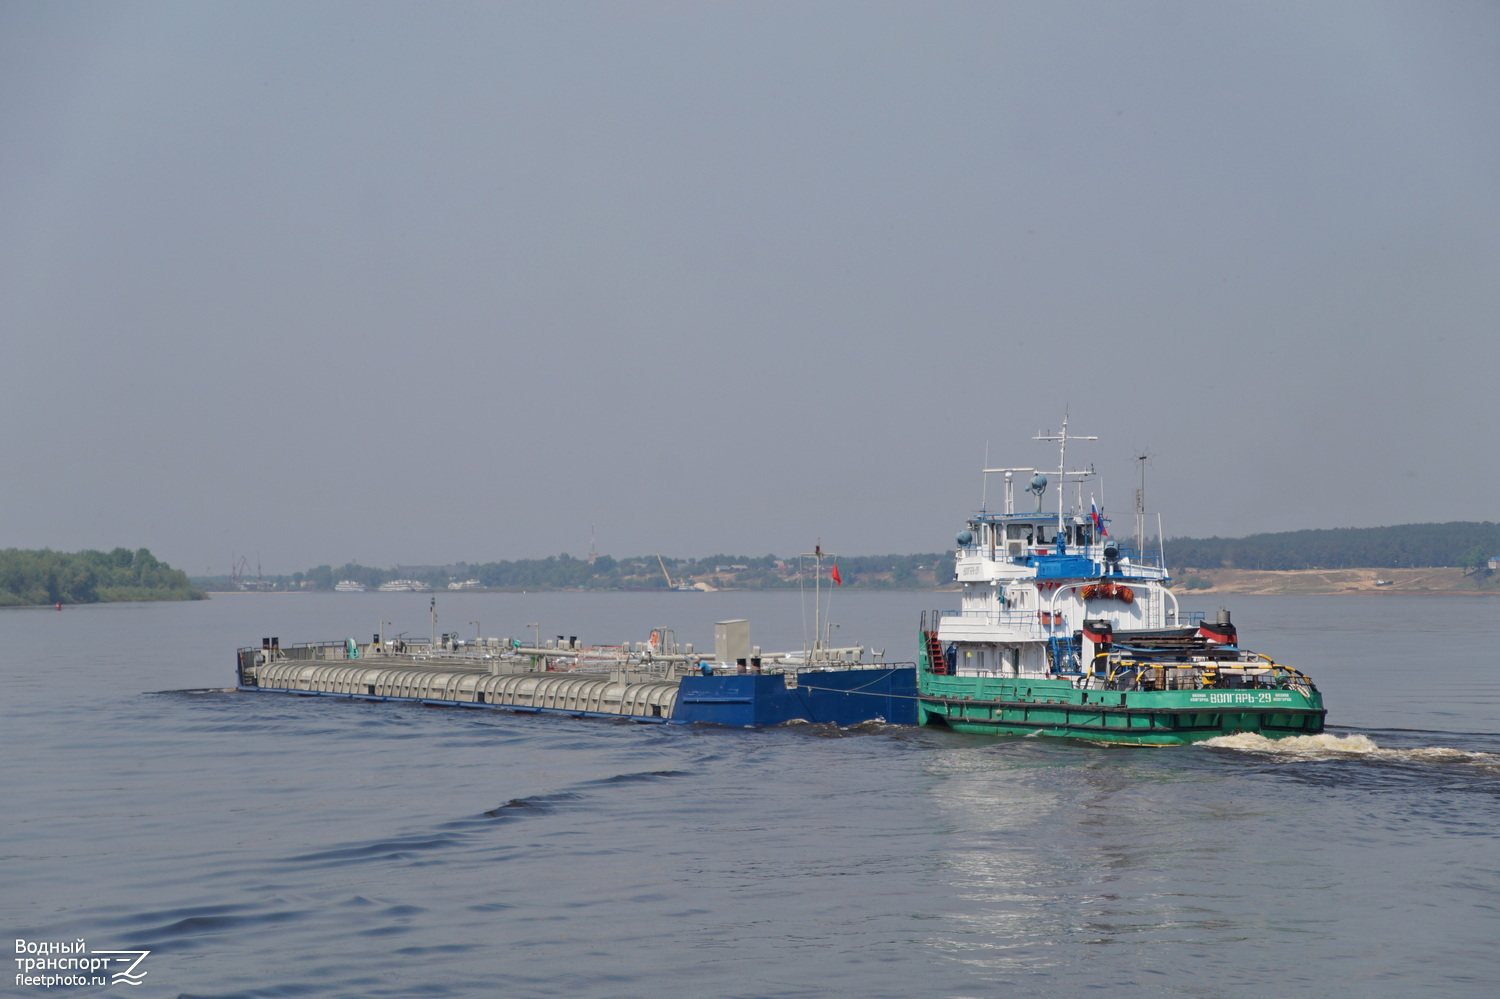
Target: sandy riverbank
column 1442, row 580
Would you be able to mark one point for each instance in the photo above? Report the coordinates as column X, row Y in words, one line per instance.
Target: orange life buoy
column 1126, row 594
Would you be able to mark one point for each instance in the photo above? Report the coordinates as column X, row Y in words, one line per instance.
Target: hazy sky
column 428, row 282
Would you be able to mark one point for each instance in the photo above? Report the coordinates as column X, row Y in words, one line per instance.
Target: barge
column 655, row 681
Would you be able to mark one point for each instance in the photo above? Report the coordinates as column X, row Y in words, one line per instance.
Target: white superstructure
column 1030, row 580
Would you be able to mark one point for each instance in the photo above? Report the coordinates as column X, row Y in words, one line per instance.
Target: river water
column 262, row 845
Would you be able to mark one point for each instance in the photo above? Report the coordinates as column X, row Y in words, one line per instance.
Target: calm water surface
column 263, row 845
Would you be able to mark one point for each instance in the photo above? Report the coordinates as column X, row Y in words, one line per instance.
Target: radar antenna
column 1037, row 487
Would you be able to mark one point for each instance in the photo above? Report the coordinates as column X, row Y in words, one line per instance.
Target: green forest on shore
column 43, row 576
column 564, row 572
column 1466, row 544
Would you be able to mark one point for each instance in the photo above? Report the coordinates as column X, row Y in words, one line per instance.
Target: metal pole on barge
column 818, row 596
column 820, row 640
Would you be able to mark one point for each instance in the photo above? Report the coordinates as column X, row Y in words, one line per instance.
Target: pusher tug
column 1063, row 631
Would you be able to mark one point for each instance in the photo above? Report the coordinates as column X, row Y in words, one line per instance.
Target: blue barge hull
column 841, row 697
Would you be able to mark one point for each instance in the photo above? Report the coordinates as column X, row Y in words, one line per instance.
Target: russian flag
column 1097, row 518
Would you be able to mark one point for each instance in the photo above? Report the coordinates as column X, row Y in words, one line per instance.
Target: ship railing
column 1129, row 557
column 1025, row 624
column 1251, row 671
column 1009, row 618
column 789, row 666
column 1182, row 680
column 296, row 650
column 271, row 650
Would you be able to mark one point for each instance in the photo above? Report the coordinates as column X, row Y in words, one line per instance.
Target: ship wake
column 1347, row 747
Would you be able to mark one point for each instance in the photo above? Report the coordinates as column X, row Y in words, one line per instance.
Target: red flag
column 837, row 580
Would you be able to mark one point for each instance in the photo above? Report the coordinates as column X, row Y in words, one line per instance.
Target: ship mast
column 1062, row 465
column 1140, row 507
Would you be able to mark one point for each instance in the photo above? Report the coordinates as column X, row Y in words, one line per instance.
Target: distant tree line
column 565, row 572
column 1464, row 544
column 87, row 577
column 1457, row 543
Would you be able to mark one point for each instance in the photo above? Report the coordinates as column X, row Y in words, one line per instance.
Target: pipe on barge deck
column 651, row 699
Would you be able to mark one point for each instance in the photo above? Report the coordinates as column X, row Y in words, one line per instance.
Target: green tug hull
column 999, row 706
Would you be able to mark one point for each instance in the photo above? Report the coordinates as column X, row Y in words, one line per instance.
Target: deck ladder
column 936, row 661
